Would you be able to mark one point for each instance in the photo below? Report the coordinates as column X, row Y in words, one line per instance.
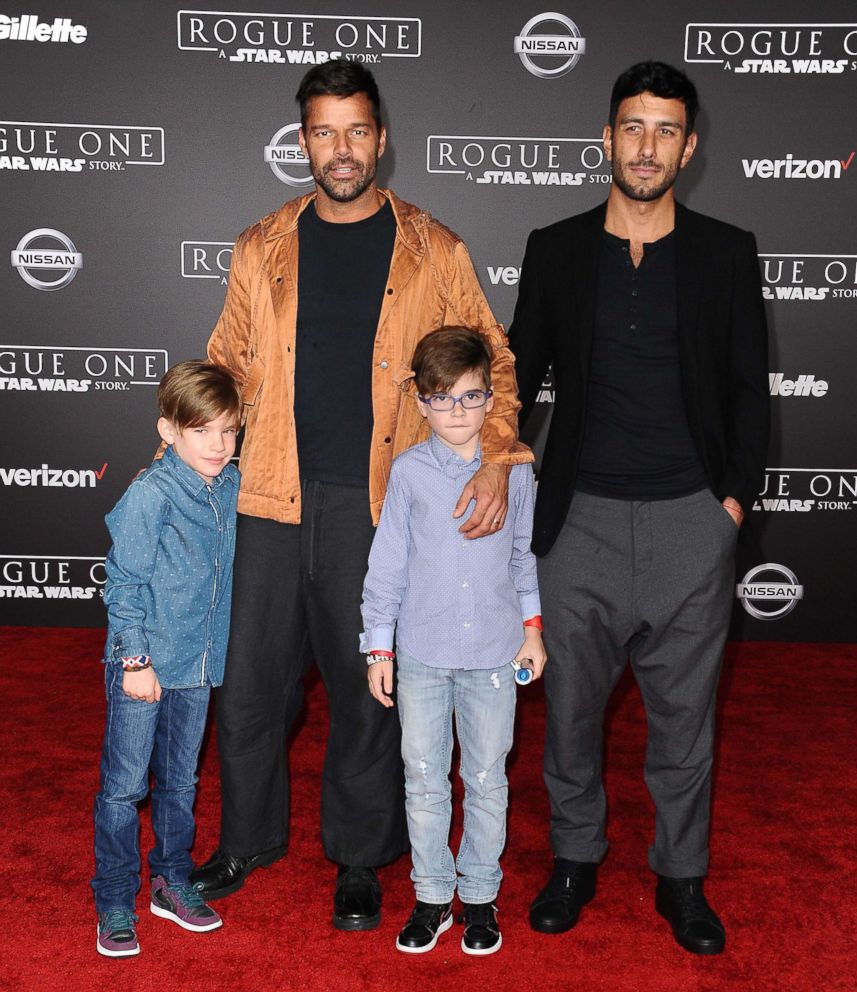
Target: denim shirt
column 449, row 601
column 169, row 572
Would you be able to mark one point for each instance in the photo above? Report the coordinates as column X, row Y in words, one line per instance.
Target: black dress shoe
column 695, row 925
column 222, row 874
column 357, row 900
column 481, row 930
column 557, row 907
column 425, row 924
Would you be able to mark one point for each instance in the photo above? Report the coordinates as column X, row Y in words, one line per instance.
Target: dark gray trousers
column 649, row 582
column 296, row 597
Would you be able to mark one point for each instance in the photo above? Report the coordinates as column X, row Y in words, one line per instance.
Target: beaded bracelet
column 138, row 663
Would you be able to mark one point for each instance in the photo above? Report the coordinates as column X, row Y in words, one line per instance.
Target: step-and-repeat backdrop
column 139, row 137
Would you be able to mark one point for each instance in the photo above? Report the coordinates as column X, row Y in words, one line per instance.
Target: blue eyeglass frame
column 485, row 393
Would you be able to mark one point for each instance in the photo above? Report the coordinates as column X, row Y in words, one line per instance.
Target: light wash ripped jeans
column 483, row 701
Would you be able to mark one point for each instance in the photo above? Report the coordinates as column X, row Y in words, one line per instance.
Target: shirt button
column 633, row 327
column 384, row 364
column 467, row 626
column 464, row 585
column 633, row 292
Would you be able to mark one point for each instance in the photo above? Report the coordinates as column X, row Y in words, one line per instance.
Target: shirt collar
column 617, row 244
column 447, row 459
column 191, row 480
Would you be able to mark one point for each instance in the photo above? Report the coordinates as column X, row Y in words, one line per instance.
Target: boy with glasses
column 455, row 610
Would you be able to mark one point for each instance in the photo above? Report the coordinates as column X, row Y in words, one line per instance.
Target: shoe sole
column 105, row 952
column 447, row 923
column 702, row 949
column 481, row 952
column 359, row 923
column 166, row 914
column 211, row 894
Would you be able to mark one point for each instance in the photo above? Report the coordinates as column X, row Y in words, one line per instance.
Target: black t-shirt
column 637, row 442
column 342, row 273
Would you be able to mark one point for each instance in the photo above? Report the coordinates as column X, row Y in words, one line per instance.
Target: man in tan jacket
column 322, row 351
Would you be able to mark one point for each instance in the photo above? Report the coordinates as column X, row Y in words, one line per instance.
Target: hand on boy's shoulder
column 489, row 487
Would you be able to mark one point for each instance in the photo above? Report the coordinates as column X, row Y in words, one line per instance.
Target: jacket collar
column 410, row 220
column 690, row 265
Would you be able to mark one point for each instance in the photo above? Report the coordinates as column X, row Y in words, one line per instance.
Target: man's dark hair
column 443, row 356
column 339, row 78
column 660, row 79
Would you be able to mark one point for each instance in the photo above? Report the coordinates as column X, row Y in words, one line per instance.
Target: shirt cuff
column 377, row 639
column 530, row 605
column 129, row 643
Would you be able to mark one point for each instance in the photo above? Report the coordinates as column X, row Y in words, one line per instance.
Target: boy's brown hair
column 194, row 393
column 443, row 356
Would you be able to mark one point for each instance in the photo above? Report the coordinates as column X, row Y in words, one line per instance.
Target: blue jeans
column 483, row 701
column 165, row 736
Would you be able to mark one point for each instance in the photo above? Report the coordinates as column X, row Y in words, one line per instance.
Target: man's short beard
column 640, row 192
column 344, row 192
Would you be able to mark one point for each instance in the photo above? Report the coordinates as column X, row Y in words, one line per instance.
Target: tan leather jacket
column 431, row 283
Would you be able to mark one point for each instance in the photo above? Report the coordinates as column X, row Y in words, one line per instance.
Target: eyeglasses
column 471, row 400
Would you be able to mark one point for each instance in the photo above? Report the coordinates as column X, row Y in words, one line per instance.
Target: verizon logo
column 796, row 168
column 62, row 478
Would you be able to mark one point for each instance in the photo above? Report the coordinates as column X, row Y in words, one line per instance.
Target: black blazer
column 723, row 351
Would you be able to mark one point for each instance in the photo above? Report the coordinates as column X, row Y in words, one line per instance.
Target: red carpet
column 783, row 875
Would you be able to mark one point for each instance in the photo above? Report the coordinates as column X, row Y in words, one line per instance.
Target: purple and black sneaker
column 117, row 935
column 183, row 905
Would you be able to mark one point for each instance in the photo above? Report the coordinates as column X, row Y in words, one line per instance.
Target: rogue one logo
column 51, row 577
column 298, row 39
column 567, row 46
column 756, row 587
column 206, row 259
column 66, row 261
column 77, row 369
column 518, row 161
column 287, row 161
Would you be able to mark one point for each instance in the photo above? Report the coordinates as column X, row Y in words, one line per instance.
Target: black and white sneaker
column 481, row 931
column 425, row 924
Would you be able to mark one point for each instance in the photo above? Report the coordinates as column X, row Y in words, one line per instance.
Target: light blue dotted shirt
column 448, row 601
column 169, row 572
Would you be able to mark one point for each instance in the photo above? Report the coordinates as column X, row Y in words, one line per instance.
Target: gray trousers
column 649, row 582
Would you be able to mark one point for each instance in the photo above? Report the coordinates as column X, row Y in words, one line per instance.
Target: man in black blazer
column 651, row 317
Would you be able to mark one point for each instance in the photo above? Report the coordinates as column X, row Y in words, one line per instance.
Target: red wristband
column 535, row 621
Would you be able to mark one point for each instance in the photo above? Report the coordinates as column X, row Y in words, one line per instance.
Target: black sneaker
column 481, row 932
column 425, row 924
column 694, row 923
column 557, row 907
